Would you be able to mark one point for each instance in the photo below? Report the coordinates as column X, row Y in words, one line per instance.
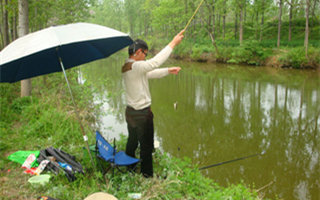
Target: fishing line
column 229, row 161
column 195, row 12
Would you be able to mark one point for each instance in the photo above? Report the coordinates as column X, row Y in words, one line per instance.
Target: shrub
column 296, row 57
column 250, row 53
column 225, row 53
column 314, row 56
column 196, row 52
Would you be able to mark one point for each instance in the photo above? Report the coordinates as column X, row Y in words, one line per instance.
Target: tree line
column 19, row 17
column 217, row 19
column 220, row 21
column 40, row 14
column 281, row 33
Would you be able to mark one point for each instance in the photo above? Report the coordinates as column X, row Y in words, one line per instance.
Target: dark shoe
column 147, row 175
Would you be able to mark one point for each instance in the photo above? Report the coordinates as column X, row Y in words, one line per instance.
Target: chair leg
column 107, row 170
column 100, row 164
column 120, row 169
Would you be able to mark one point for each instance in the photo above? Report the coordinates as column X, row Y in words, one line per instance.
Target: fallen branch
column 264, row 187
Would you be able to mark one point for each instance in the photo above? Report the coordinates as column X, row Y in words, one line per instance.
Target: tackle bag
column 56, row 156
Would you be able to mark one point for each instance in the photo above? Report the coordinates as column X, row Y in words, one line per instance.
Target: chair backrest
column 105, row 149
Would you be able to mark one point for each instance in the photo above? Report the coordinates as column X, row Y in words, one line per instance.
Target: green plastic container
column 41, row 179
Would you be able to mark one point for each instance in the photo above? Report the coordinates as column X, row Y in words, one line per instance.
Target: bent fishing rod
column 229, row 161
column 194, row 14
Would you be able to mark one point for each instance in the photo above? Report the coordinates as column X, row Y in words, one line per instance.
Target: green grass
column 47, row 119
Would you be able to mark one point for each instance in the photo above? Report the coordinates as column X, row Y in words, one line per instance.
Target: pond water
column 224, row 112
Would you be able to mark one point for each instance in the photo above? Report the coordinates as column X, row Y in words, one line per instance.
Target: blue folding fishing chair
column 104, row 151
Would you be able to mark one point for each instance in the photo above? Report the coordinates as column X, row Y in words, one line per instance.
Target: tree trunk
column 132, row 29
column 211, row 19
column 211, row 28
column 140, row 27
column 224, row 26
column 23, row 29
column 1, row 37
column 279, row 23
column 241, row 26
column 306, row 38
column 13, row 32
column 244, row 16
column 256, row 23
column 209, row 22
column 219, row 24
column 1, row 27
column 214, row 44
column 262, row 20
column 236, row 26
column 186, row 6
column 224, row 18
column 6, row 39
column 213, row 22
column 15, row 26
column 146, row 27
column 290, row 20
column 313, row 13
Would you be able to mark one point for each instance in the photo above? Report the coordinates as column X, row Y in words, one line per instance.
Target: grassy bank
column 47, row 118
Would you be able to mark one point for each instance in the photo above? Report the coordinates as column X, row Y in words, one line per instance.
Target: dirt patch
column 273, row 61
column 207, row 57
column 14, row 183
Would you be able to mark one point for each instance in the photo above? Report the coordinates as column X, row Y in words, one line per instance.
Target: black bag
column 60, row 156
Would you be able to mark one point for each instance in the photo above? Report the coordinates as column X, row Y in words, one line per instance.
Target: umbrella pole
column 85, row 137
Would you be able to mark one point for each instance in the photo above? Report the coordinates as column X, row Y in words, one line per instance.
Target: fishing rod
column 229, row 161
column 195, row 12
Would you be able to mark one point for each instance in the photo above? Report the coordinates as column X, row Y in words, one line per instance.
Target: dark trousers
column 141, row 131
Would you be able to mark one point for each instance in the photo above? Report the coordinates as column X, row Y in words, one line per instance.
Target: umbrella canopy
column 40, row 52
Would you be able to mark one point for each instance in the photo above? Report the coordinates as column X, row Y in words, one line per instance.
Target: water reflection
column 226, row 112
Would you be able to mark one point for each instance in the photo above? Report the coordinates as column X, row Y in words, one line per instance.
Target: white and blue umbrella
column 59, row 48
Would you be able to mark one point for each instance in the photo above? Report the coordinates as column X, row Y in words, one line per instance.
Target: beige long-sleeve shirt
column 136, row 80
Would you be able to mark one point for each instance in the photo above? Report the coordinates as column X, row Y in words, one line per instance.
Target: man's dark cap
column 137, row 44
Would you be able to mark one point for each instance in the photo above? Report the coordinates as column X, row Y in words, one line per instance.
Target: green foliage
column 196, row 52
column 110, row 13
column 225, row 53
column 314, row 56
column 184, row 48
column 296, row 57
column 166, row 8
column 44, row 13
column 199, row 50
column 250, row 53
column 157, row 21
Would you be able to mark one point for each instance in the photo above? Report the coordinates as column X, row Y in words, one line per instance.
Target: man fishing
column 135, row 73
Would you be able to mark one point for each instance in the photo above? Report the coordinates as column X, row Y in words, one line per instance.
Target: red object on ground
column 31, row 171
